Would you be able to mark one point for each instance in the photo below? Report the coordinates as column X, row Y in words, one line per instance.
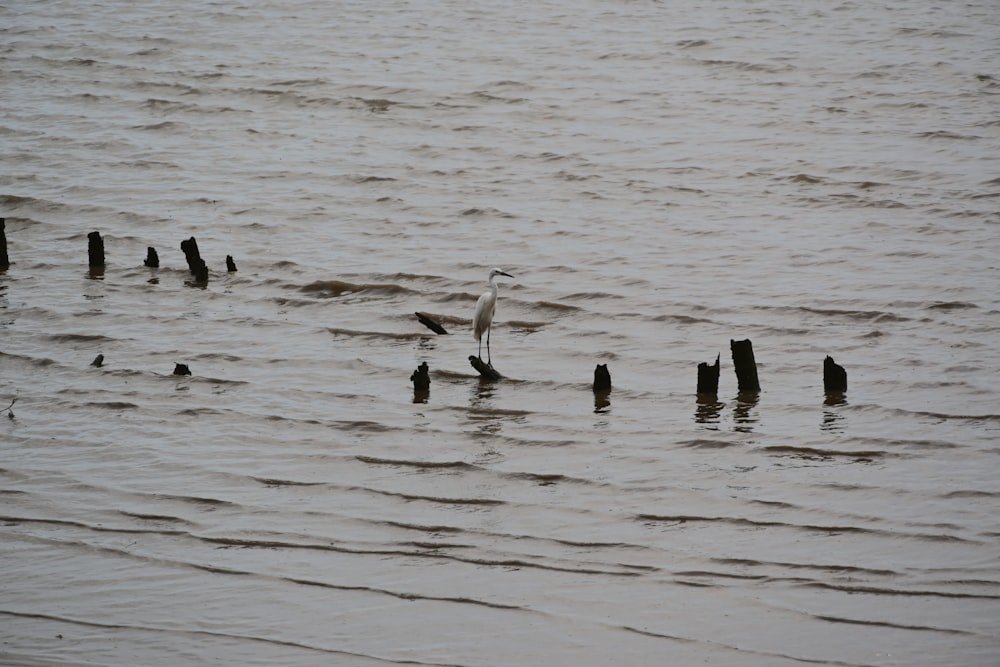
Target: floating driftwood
column 487, row 371
column 98, row 361
column 746, row 367
column 95, row 250
column 181, row 369
column 602, row 378
column 834, row 377
column 431, row 323
column 152, row 259
column 196, row 264
column 4, row 260
column 708, row 378
column 230, row 264
column 421, row 378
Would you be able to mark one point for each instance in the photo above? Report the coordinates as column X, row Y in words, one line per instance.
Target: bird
column 483, row 319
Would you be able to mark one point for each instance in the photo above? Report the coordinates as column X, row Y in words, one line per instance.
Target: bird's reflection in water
column 744, row 412
column 707, row 411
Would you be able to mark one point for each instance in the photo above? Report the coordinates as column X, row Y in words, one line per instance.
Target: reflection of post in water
column 481, row 412
column 744, row 415
column 833, row 419
column 707, row 410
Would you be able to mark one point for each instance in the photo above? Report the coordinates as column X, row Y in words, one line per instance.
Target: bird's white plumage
column 486, row 307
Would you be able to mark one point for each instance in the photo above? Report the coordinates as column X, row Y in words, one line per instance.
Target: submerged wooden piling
column 487, row 371
column 421, row 378
column 181, row 369
column 230, row 264
column 95, row 250
column 152, row 259
column 98, row 361
column 708, row 378
column 431, row 323
column 834, row 377
column 746, row 367
column 196, row 264
column 602, row 378
column 4, row 259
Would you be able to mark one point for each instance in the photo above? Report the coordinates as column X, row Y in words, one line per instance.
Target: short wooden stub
column 98, row 361
column 602, row 378
column 181, row 369
column 708, row 378
column 746, row 367
column 421, row 378
column 95, row 250
column 4, row 259
column 230, row 264
column 834, row 377
column 487, row 371
column 152, row 259
column 431, row 323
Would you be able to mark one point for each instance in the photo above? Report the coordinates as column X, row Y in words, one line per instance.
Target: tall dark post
column 746, row 367
column 230, row 264
column 4, row 260
column 95, row 250
column 196, row 264
column 602, row 378
column 834, row 377
column 708, row 378
column 152, row 259
column 421, row 378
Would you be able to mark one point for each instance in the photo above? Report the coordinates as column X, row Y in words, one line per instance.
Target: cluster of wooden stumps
column 834, row 375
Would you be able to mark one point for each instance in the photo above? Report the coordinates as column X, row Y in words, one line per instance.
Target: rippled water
column 660, row 178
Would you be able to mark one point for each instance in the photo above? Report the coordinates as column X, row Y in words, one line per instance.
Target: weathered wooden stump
column 834, row 377
column 746, row 367
column 98, row 361
column 196, row 264
column 4, row 259
column 95, row 250
column 181, row 369
column 152, row 259
column 421, row 378
column 708, row 378
column 431, row 323
column 602, row 378
column 230, row 264
column 487, row 371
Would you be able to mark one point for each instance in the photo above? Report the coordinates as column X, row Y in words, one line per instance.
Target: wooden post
column 152, row 259
column 834, row 377
column 708, row 378
column 181, row 369
column 431, row 323
column 602, row 378
column 488, row 372
column 95, row 250
column 98, row 361
column 4, row 259
column 196, row 264
column 746, row 367
column 230, row 264
column 421, row 378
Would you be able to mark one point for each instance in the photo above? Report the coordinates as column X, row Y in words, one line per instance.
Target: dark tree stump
column 181, row 369
column 708, row 378
column 196, row 264
column 152, row 259
column 431, row 323
column 4, row 259
column 602, row 378
column 95, row 250
column 421, row 378
column 834, row 377
column 746, row 367
column 487, row 371
column 230, row 264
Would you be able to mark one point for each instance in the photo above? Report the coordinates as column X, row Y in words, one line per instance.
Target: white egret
column 483, row 319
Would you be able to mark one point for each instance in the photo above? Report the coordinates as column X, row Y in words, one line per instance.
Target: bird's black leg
column 489, row 361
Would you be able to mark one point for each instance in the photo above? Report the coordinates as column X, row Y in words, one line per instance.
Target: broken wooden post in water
column 602, row 378
column 98, row 361
column 152, row 259
column 181, row 369
column 834, row 377
column 746, row 367
column 431, row 323
column 4, row 259
column 488, row 372
column 230, row 264
column 95, row 250
column 196, row 264
column 708, row 378
column 421, row 380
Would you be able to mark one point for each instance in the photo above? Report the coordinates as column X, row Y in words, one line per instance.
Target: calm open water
column 822, row 178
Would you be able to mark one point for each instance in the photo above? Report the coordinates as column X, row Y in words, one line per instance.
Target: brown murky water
column 660, row 178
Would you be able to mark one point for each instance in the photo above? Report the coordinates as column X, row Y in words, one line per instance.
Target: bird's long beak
column 503, row 273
